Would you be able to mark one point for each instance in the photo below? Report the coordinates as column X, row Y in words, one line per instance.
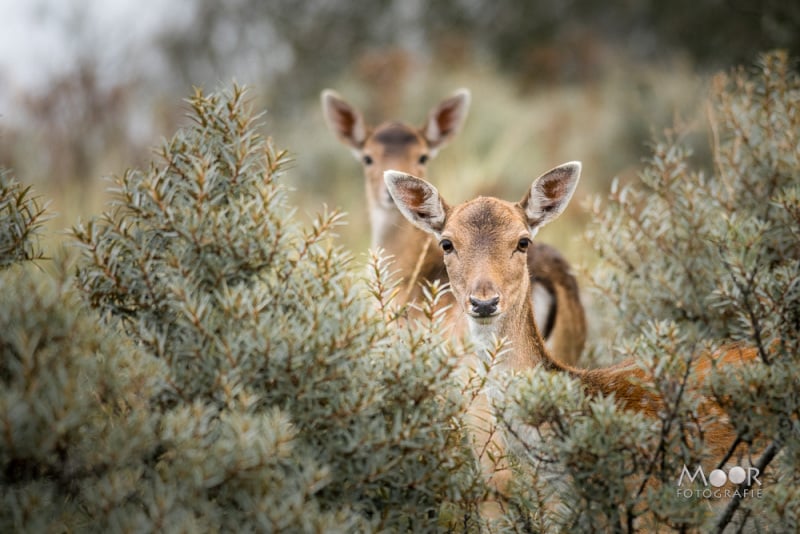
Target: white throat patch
column 482, row 335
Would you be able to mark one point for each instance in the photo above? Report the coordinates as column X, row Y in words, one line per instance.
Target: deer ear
column 446, row 119
column 417, row 200
column 549, row 194
column 344, row 120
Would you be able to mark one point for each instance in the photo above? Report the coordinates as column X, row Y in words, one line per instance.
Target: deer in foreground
column 484, row 242
column 396, row 145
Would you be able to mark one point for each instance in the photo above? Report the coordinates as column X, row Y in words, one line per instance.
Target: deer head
column 392, row 145
column 485, row 240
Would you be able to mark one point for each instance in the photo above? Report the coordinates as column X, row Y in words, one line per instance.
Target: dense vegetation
column 691, row 260
column 213, row 363
column 217, row 365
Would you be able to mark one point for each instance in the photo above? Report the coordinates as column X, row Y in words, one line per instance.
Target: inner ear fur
column 446, row 119
column 344, row 120
column 418, row 201
column 550, row 194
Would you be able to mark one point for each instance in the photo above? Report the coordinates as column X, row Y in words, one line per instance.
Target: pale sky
column 40, row 39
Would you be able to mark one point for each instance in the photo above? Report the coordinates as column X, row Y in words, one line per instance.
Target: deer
column 397, row 145
column 485, row 242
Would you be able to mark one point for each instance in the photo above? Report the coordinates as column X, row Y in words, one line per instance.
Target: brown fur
column 565, row 330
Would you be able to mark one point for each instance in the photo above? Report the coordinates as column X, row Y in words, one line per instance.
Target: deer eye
column 522, row 244
column 367, row 160
column 447, row 246
column 423, row 159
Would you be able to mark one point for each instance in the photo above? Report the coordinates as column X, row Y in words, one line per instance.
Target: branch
column 731, row 450
column 761, row 465
column 747, row 292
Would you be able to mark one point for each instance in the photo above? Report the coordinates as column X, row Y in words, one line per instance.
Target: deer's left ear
column 445, row 120
column 549, row 194
column 417, row 200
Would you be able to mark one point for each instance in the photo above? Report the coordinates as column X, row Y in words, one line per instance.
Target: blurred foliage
column 23, row 216
column 548, row 79
column 535, row 41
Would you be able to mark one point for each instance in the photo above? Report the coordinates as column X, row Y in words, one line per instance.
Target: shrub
column 22, row 217
column 691, row 260
column 227, row 370
column 74, row 396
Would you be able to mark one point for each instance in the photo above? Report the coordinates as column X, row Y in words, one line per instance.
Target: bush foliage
column 215, row 364
column 691, row 260
column 228, row 370
column 22, row 217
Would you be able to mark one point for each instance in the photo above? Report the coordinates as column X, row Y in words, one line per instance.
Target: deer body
column 417, row 257
column 484, row 243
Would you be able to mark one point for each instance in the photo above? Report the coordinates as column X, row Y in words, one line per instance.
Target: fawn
column 397, row 145
column 485, row 243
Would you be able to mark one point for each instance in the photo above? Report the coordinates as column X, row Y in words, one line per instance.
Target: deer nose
column 484, row 308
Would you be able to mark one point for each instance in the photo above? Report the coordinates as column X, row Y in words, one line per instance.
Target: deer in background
column 485, row 243
column 396, row 145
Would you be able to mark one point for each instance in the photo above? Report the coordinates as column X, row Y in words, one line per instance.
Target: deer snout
column 484, row 307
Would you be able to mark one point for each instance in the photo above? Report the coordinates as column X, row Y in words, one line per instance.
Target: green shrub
column 74, row 397
column 22, row 218
column 249, row 379
column 691, row 260
column 699, row 248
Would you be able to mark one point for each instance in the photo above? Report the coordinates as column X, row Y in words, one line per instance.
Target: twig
column 761, row 465
column 418, row 267
column 731, row 450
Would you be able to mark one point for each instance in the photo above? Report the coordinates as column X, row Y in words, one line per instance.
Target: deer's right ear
column 417, row 200
column 344, row 120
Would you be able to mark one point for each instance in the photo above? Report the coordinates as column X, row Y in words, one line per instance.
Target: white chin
column 482, row 330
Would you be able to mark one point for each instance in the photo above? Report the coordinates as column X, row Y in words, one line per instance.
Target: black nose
column 484, row 308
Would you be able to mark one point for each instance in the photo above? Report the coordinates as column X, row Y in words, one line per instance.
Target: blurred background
column 87, row 88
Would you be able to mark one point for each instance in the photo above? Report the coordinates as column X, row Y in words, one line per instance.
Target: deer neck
column 415, row 254
column 527, row 349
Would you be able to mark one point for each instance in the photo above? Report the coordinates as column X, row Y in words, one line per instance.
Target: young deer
column 484, row 243
column 396, row 145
